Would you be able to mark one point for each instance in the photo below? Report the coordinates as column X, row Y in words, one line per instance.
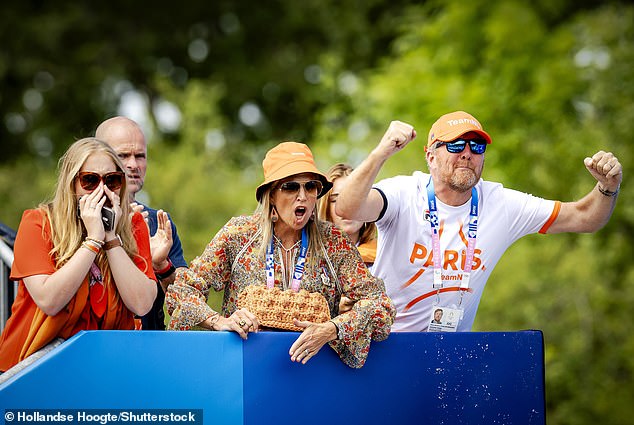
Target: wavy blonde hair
column 67, row 228
column 368, row 230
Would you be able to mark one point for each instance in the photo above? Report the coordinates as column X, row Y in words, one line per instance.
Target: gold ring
column 242, row 323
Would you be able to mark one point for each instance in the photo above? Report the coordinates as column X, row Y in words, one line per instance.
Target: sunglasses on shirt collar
column 90, row 180
column 477, row 146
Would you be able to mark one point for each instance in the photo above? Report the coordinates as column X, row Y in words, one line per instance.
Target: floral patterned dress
column 231, row 261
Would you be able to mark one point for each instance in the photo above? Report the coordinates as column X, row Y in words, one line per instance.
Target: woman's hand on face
column 241, row 321
column 314, row 336
column 90, row 212
column 115, row 201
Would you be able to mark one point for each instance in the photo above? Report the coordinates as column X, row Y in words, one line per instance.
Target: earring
column 312, row 216
column 274, row 216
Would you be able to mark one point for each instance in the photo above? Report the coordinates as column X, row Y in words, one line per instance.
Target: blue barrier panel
column 136, row 370
column 411, row 378
column 431, row 378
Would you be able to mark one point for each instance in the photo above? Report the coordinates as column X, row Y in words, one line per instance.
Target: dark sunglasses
column 89, row 180
column 311, row 187
column 477, row 146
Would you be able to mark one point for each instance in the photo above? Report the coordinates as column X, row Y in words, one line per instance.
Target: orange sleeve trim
column 552, row 218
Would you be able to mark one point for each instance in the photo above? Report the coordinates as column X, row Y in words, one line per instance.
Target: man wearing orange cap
column 441, row 234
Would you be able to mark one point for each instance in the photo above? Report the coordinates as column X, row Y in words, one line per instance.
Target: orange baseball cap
column 453, row 125
column 288, row 159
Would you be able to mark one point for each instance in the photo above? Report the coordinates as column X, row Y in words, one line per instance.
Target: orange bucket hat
column 453, row 125
column 288, row 159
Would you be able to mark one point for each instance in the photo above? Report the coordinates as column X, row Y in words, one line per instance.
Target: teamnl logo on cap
column 460, row 121
column 454, row 124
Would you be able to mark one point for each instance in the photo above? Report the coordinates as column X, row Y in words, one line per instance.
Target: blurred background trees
column 216, row 84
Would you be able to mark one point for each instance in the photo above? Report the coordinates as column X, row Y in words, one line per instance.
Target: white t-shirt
column 404, row 257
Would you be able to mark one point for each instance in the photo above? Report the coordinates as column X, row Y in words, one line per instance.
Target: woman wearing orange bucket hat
column 292, row 258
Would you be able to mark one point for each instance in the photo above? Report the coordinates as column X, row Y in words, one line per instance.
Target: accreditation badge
column 444, row 319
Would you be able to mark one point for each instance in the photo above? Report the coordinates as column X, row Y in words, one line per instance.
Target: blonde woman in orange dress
column 74, row 272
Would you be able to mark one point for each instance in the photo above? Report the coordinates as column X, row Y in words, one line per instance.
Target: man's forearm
column 586, row 215
column 354, row 202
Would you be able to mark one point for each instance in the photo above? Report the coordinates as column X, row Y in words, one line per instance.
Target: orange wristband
column 162, row 274
column 90, row 247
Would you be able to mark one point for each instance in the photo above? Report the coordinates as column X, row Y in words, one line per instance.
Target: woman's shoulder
column 34, row 217
column 33, row 235
column 34, row 214
column 328, row 229
column 243, row 221
column 334, row 238
column 241, row 226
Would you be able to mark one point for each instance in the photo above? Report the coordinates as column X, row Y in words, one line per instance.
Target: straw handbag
column 275, row 308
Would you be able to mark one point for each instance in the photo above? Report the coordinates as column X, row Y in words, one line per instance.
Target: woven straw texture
column 276, row 309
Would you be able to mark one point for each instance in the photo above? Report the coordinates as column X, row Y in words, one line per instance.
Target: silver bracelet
column 608, row 192
column 337, row 328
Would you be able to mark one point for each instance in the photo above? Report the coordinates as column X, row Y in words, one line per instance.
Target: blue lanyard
column 472, row 234
column 298, row 274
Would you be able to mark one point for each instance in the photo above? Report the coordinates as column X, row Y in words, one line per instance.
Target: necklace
column 287, row 257
column 287, row 250
column 299, row 267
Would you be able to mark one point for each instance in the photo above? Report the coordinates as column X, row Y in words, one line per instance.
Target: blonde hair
column 67, row 229
column 266, row 224
column 368, row 230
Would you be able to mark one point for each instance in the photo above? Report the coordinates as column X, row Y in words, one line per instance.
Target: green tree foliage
column 551, row 92
column 64, row 65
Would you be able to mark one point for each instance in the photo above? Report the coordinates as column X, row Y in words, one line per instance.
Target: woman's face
column 295, row 203
column 101, row 164
column 351, row 227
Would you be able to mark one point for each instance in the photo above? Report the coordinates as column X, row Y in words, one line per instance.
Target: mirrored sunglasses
column 311, row 187
column 90, row 180
column 477, row 146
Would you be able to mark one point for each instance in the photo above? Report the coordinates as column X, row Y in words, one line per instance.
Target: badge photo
column 444, row 319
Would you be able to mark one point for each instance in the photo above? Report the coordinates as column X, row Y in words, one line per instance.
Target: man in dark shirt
column 127, row 139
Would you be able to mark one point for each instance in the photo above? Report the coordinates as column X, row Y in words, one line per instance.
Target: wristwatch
column 112, row 243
